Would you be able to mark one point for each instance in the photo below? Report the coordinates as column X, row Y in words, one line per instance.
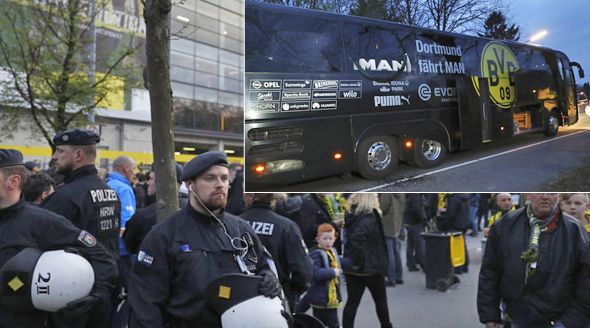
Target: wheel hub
column 431, row 149
column 379, row 155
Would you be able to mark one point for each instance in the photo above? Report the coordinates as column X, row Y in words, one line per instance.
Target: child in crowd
column 324, row 293
column 577, row 205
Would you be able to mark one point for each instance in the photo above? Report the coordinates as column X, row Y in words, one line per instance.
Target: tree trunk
column 156, row 14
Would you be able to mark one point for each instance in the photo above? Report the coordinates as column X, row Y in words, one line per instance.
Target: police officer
column 181, row 256
column 282, row 238
column 84, row 199
column 23, row 225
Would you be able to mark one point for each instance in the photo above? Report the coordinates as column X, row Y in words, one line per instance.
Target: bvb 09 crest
column 498, row 65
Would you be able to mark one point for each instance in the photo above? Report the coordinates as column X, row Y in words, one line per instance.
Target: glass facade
column 206, row 61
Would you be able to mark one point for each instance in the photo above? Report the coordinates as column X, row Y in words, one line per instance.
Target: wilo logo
column 350, row 94
column 383, row 65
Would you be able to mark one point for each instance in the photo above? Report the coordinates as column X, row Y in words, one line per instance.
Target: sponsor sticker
column 86, row 238
column 350, row 84
column 264, row 107
column 323, row 105
column 296, row 95
column 325, row 84
column 265, row 96
column 265, row 84
column 325, row 94
column 297, row 84
column 350, row 94
column 294, row 106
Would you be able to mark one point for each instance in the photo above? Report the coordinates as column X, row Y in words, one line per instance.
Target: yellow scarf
column 332, row 291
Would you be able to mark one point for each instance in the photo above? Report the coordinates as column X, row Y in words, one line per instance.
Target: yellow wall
column 139, row 157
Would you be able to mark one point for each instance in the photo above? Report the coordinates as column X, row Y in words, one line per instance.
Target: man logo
column 424, row 92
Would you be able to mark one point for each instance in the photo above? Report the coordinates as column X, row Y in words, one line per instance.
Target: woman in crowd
column 366, row 251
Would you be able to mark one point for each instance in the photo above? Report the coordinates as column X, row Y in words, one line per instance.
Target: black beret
column 77, row 137
column 202, row 162
column 10, row 157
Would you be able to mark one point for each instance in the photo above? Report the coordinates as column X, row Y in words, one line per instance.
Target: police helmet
column 45, row 281
column 235, row 297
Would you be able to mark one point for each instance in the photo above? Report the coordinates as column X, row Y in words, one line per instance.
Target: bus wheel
column 428, row 153
column 377, row 157
column 552, row 124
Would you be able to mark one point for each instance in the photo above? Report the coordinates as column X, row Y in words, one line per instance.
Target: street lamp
column 537, row 36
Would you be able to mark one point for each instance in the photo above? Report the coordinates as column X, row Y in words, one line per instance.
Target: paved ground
column 412, row 305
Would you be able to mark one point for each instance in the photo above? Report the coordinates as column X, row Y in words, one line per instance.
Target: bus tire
column 377, row 157
column 428, row 153
column 552, row 124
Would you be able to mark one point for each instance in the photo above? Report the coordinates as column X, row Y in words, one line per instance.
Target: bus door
column 474, row 122
column 567, row 99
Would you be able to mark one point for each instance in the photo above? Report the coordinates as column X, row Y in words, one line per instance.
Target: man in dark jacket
column 414, row 220
column 537, row 260
column 84, row 198
column 23, row 225
column 282, row 238
column 181, row 256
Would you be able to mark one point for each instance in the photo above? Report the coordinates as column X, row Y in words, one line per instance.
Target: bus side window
column 560, row 66
column 295, row 45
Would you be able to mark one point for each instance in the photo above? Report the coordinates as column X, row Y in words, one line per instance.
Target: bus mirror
column 580, row 70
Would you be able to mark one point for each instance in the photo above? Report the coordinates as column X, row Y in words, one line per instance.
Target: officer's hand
column 492, row 325
column 80, row 307
column 269, row 286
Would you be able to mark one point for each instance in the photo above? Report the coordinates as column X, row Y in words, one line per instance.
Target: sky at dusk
column 568, row 24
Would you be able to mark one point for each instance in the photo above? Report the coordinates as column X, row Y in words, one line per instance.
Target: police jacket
column 90, row 204
column 124, row 190
column 24, row 225
column 176, row 262
column 323, row 273
column 282, row 238
column 558, row 290
column 365, row 245
column 142, row 222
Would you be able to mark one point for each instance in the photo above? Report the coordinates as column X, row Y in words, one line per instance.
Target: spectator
column 577, row 205
column 38, row 187
column 365, row 249
column 504, row 205
column 392, row 205
column 414, row 221
column 537, row 260
column 324, row 293
column 456, row 218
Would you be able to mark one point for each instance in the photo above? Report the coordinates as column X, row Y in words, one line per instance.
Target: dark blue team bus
column 327, row 94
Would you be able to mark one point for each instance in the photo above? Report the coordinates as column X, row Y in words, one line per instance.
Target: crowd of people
column 301, row 250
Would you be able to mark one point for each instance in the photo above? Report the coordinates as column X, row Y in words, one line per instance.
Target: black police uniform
column 90, row 204
column 176, row 262
column 85, row 199
column 282, row 238
column 23, row 225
